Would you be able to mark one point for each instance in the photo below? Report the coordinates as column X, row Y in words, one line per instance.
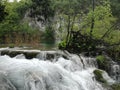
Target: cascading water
column 115, row 71
column 73, row 73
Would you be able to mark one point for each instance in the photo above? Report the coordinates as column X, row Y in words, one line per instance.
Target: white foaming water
column 109, row 80
column 20, row 56
column 22, row 74
column 115, row 72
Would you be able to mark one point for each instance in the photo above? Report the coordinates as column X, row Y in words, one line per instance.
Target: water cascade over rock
column 49, row 70
column 115, row 71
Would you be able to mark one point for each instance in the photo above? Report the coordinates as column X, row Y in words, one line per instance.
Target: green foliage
column 2, row 11
column 98, row 76
column 16, row 11
column 41, row 9
column 100, row 59
column 22, row 7
column 49, row 35
column 103, row 20
column 72, row 17
column 62, row 45
column 70, row 7
column 115, row 6
column 69, row 13
column 25, row 28
column 13, row 28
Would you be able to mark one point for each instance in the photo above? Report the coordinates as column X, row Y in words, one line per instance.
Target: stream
column 50, row 70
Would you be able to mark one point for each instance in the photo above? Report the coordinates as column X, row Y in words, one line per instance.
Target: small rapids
column 75, row 73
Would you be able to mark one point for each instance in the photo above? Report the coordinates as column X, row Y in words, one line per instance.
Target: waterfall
column 115, row 72
column 49, row 70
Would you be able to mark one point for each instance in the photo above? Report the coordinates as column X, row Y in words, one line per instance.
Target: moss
column 103, row 62
column 100, row 58
column 115, row 87
column 11, row 46
column 99, row 77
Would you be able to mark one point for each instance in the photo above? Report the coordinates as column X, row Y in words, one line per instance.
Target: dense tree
column 69, row 13
column 14, row 29
column 115, row 6
column 97, row 24
column 42, row 10
column 2, row 11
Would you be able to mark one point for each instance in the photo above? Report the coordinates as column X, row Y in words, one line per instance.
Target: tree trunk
column 93, row 21
column 68, row 30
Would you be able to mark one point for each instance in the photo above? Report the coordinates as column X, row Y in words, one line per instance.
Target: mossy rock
column 103, row 62
column 100, row 59
column 14, row 53
column 5, row 52
column 28, row 55
column 98, row 76
column 115, row 86
column 50, row 56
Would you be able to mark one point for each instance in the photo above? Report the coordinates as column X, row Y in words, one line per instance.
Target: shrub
column 49, row 36
column 62, row 45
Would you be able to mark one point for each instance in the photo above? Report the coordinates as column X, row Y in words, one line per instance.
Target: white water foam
column 35, row 74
